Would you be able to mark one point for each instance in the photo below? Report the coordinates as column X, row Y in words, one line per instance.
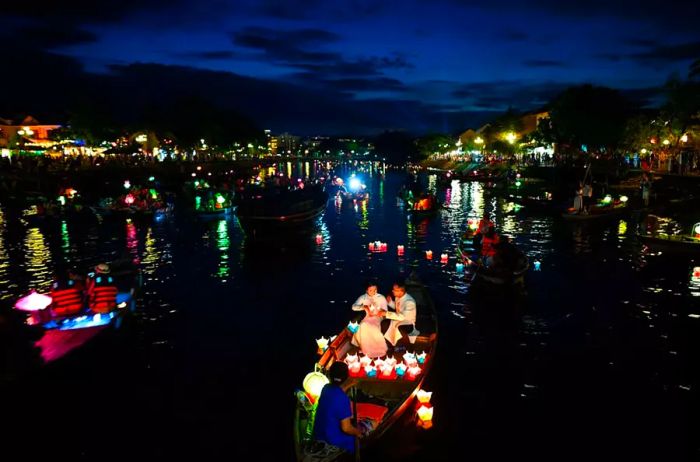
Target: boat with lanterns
column 384, row 390
column 134, row 202
column 277, row 214
column 605, row 208
column 672, row 243
column 63, row 332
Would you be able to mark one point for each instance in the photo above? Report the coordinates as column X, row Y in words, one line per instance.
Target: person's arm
column 359, row 304
column 349, row 429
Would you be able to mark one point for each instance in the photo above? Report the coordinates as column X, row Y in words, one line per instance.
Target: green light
column 607, row 199
column 517, row 184
column 154, row 194
column 151, row 178
column 197, row 203
column 196, row 184
column 62, row 200
column 220, row 199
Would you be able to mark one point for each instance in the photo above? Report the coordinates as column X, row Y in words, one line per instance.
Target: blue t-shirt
column 333, row 406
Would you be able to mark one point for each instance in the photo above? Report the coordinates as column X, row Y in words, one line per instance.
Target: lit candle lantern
column 696, row 272
column 371, row 246
column 370, row 371
column 353, row 326
column 319, row 239
column 537, row 265
column 443, row 258
column 409, row 358
column 384, row 247
column 390, row 361
column 429, row 254
column 400, row 369
column 387, row 371
column 314, row 383
column 355, row 369
column 421, row 358
column 425, row 413
column 413, row 372
column 460, row 267
column 377, row 246
column 365, row 361
column 400, row 249
column 322, row 343
column 351, row 359
column 424, row 396
column 378, row 363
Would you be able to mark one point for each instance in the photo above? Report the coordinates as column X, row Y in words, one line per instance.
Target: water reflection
column 38, row 261
column 132, row 240
column 5, row 282
column 223, row 243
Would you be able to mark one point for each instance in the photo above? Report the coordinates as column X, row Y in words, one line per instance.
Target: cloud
column 670, row 53
column 543, row 63
column 212, row 55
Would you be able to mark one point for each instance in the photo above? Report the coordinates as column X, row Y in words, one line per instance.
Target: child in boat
column 369, row 335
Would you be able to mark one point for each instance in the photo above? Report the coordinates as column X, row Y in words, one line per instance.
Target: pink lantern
column 429, row 254
column 350, row 359
column 129, row 199
column 33, row 302
column 319, row 239
column 399, row 249
column 413, row 372
column 365, row 361
column 384, row 247
column 443, row 258
column 355, row 369
column 387, row 372
column 371, row 246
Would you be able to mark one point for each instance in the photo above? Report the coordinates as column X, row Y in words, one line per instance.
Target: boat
column 605, row 209
column 61, row 335
column 385, row 397
column 512, row 276
column 280, row 214
column 542, row 203
column 419, row 206
column 675, row 243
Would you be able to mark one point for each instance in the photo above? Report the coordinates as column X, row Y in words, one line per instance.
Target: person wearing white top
column 369, row 335
column 404, row 320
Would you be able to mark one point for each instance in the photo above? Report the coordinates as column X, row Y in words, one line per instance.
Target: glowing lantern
column 387, row 371
column 391, row 361
column 33, row 302
column 151, row 178
column 517, row 175
column 370, row 371
column 443, row 258
column 473, row 224
column 413, row 372
column 400, row 369
column 319, row 239
column 154, row 194
column 537, row 265
column 421, row 358
column 314, row 383
column 696, row 272
column 624, row 199
column 518, row 184
column 696, row 229
column 355, row 369
column 460, row 267
column 353, row 326
column 378, row 363
column 322, row 343
column 424, row 396
column 349, row 359
column 127, row 184
column 399, row 249
column 410, row 359
column 384, row 247
column 365, row 361
column 377, row 245
column 425, row 413
column 129, row 199
column 429, row 254
column 371, row 246
column 607, row 199
column 62, row 200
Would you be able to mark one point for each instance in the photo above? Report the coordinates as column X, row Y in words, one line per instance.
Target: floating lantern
column 194, row 174
column 518, row 184
column 378, row 363
column 350, row 359
column 537, row 264
column 400, row 369
column 365, row 361
column 129, row 199
column 322, row 343
column 314, row 383
column 517, row 175
column 624, row 199
column 460, row 267
column 399, row 249
column 696, row 229
column 424, row 396
column 443, row 258
column 127, row 184
column 696, row 272
column 384, row 247
column 473, row 224
column 421, row 358
column 151, row 178
column 355, row 369
column 413, row 372
column 429, row 254
column 220, row 199
column 370, row 371
column 33, row 302
column 607, row 199
column 371, row 246
column 425, row 413
column 319, row 239
column 353, row 326
column 62, row 200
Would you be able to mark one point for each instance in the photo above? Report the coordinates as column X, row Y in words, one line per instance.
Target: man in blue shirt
column 333, row 422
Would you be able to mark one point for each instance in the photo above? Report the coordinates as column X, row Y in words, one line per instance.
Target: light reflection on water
column 38, row 260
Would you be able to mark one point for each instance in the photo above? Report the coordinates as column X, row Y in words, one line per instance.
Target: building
column 29, row 134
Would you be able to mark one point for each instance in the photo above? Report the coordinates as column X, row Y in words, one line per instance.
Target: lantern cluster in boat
column 388, row 368
column 378, row 246
column 323, row 343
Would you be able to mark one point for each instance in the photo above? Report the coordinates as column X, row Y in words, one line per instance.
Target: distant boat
column 672, row 243
column 597, row 211
column 386, row 399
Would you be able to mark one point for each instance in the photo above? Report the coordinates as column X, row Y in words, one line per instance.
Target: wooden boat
column 674, row 243
column 597, row 212
column 280, row 216
column 394, row 396
column 470, row 255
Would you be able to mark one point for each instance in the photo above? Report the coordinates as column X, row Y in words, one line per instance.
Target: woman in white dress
column 369, row 336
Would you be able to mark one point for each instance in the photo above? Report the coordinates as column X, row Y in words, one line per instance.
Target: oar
column 354, row 422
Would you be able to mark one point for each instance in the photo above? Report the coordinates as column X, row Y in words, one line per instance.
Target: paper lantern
column 129, row 199
column 429, row 254
column 378, row 363
column 443, row 258
column 33, row 302
column 314, row 383
column 409, row 359
column 424, row 396
column 413, row 372
column 390, row 361
column 387, row 371
column 353, row 326
column 425, row 413
column 400, row 369
column 460, row 267
column 319, row 239
column 624, row 199
column 322, row 343
column 365, row 361
column 696, row 229
column 127, row 184
column 355, row 369
column 400, row 249
column 371, row 246
column 370, row 371
column 421, row 358
column 384, row 247
column 696, row 272
column 350, row 359
column 537, row 264
column 607, row 199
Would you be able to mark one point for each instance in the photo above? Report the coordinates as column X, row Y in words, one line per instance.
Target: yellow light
column 624, row 198
column 510, row 137
column 314, row 383
column 666, row 142
column 322, row 343
column 643, row 151
column 478, row 140
column 424, row 396
column 425, row 413
column 684, row 138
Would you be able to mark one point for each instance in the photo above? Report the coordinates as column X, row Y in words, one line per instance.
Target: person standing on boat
column 404, row 321
column 645, row 185
column 369, row 335
column 333, row 423
column 578, row 198
column 587, row 197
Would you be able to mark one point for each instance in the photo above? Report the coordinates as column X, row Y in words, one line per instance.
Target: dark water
column 599, row 360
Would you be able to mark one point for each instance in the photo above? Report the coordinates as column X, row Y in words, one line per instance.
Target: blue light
column 355, row 184
column 537, row 265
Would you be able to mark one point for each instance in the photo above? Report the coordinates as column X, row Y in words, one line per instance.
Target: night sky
column 331, row 67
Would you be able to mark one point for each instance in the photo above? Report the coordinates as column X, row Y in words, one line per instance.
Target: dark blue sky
column 359, row 66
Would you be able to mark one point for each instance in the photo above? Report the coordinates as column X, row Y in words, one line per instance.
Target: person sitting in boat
column 488, row 242
column 404, row 318
column 333, row 422
column 369, row 336
column 485, row 224
column 101, row 290
column 66, row 295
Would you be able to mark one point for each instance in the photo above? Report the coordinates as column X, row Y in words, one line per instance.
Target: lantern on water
column 383, row 247
column 607, row 199
column 460, row 267
column 127, row 184
column 424, row 396
column 413, row 372
column 399, row 249
column 425, row 413
column 537, row 264
column 400, row 369
column 624, row 199
column 129, row 199
column 62, row 200
column 314, row 383
column 696, row 272
column 429, row 254
column 353, row 326
column 696, row 229
column 220, row 199
column 371, row 246
column 443, row 258
column 319, row 239
column 33, row 302
column 421, row 358
column 322, row 343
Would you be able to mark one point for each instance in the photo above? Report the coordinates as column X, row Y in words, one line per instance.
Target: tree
column 396, row 146
column 436, row 143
